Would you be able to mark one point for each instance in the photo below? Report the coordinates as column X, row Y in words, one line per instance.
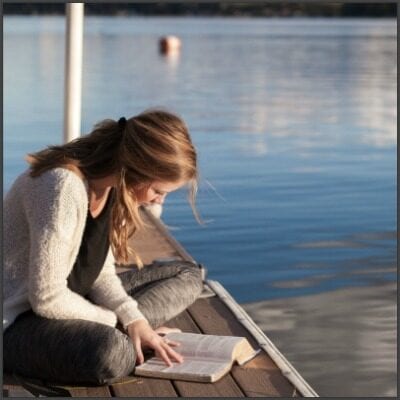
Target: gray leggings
column 79, row 351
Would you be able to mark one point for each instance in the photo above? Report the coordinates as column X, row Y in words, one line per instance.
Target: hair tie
column 122, row 122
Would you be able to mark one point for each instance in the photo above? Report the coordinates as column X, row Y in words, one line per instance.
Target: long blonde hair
column 152, row 146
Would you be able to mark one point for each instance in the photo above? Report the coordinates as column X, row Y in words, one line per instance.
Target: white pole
column 73, row 71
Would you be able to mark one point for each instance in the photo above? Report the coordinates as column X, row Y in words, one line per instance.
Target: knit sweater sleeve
column 56, row 211
column 109, row 292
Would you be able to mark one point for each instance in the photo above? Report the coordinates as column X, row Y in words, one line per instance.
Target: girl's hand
column 143, row 336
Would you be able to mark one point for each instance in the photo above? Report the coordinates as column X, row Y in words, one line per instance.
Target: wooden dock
column 269, row 374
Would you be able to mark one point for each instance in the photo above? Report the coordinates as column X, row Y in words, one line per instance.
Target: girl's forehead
column 166, row 186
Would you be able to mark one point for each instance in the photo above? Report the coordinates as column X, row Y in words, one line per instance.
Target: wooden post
column 73, row 71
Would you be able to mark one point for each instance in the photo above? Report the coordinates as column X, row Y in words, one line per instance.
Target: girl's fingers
column 173, row 354
column 171, row 343
column 167, row 353
column 163, row 354
column 139, row 352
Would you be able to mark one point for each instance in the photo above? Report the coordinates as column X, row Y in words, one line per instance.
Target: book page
column 204, row 346
column 190, row 366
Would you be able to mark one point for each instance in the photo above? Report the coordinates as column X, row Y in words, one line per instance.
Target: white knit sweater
column 44, row 220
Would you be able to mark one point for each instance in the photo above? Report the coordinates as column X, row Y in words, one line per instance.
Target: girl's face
column 156, row 192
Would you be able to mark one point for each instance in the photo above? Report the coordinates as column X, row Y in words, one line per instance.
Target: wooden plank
column 259, row 376
column 184, row 322
column 90, row 391
column 18, row 386
column 225, row 387
column 95, row 391
column 164, row 232
column 215, row 318
column 152, row 242
column 261, row 383
column 146, row 387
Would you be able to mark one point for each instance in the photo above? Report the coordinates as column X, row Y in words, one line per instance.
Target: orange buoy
column 169, row 44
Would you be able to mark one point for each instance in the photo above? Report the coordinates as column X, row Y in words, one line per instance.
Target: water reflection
column 356, row 240
column 172, row 59
column 350, row 96
column 342, row 342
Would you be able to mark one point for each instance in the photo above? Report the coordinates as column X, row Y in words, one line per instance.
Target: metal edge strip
column 265, row 343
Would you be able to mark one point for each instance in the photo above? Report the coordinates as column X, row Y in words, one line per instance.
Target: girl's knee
column 194, row 276
column 114, row 357
column 190, row 285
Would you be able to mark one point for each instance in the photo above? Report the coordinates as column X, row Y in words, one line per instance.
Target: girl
column 67, row 219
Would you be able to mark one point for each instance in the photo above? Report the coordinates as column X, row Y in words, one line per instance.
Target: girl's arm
column 109, row 292
column 56, row 212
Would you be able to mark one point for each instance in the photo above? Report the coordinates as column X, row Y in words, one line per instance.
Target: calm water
column 295, row 124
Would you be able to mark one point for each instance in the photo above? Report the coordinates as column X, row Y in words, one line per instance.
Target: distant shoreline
column 388, row 10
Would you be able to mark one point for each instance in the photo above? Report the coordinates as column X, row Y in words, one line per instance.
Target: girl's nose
column 159, row 199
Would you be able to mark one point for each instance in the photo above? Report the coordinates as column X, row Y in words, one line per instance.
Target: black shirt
column 93, row 250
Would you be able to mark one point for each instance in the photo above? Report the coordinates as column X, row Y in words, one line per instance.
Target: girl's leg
column 163, row 290
column 66, row 351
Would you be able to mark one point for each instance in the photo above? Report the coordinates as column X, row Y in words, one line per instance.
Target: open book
column 206, row 357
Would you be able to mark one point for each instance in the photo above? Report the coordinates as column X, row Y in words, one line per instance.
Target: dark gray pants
column 79, row 351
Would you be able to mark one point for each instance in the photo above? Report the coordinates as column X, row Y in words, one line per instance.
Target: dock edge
column 264, row 342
